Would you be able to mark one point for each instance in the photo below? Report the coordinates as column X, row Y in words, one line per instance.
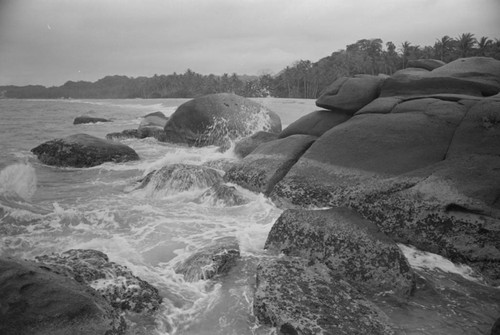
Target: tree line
column 302, row 79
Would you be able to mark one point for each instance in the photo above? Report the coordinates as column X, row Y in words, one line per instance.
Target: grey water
column 48, row 209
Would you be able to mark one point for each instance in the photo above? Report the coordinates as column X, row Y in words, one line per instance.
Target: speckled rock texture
column 347, row 244
column 114, row 282
column 35, row 299
column 214, row 260
column 267, row 164
column 82, row 150
column 300, row 299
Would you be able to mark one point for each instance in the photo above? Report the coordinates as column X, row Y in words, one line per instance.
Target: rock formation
column 89, row 119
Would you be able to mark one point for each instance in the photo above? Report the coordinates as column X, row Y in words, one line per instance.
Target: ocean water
column 47, row 209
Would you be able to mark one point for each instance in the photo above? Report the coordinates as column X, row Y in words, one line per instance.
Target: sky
column 49, row 42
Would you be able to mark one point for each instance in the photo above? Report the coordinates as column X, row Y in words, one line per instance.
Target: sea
column 45, row 209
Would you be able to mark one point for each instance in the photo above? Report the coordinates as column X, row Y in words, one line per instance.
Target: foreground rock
column 300, row 299
column 245, row 146
column 82, row 150
column 114, row 282
column 217, row 118
column 36, row 300
column 348, row 245
column 89, row 119
column 269, row 163
column 213, row 260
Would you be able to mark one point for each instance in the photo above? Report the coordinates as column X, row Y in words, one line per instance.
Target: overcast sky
column 51, row 41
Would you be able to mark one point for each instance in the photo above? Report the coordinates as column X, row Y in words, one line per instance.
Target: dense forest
column 303, row 79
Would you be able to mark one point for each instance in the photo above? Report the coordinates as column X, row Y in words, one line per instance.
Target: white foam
column 18, row 180
column 429, row 261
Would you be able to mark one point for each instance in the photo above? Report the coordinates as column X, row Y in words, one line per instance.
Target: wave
column 18, row 181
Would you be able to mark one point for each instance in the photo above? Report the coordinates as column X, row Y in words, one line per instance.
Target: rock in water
column 89, row 119
column 82, row 150
column 156, row 119
column 115, row 282
column 176, row 178
column 348, row 245
column 215, row 259
column 300, row 299
column 221, row 194
column 36, row 300
column 217, row 118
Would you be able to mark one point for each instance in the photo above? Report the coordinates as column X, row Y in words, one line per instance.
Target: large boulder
column 269, row 163
column 216, row 119
column 479, row 69
column 36, row 300
column 300, row 299
column 89, row 119
column 210, row 261
column 350, row 94
column 245, row 146
column 427, row 64
column 82, row 150
column 315, row 123
column 114, row 282
column 348, row 245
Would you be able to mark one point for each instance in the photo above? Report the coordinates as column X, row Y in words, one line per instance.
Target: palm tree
column 405, row 50
column 465, row 43
column 443, row 46
column 483, row 44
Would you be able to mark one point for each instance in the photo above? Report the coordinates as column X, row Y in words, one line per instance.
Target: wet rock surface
column 82, row 150
column 89, row 119
column 211, row 261
column 348, row 245
column 300, row 299
column 35, row 299
column 114, row 282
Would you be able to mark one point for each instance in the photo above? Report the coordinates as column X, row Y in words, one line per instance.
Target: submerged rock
column 36, row 300
column 216, row 119
column 114, row 282
column 213, row 260
column 89, row 119
column 224, row 195
column 348, row 245
column 267, row 164
column 300, row 299
column 180, row 178
column 82, row 150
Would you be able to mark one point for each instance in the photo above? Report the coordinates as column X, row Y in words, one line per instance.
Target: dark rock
column 427, row 64
column 222, row 195
column 153, row 125
column 249, row 144
column 89, row 119
column 213, row 260
column 82, row 150
column 114, row 282
column 350, row 94
column 315, row 123
column 180, row 177
column 218, row 118
column 348, row 245
column 269, row 163
column 300, row 299
column 127, row 133
column 36, row 300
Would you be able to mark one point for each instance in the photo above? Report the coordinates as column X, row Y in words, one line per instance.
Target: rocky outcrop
column 82, row 150
column 315, row 123
column 300, row 299
column 34, row 299
column 348, row 245
column 350, row 94
column 427, row 64
column 89, row 119
column 267, row 164
column 114, row 282
column 245, row 146
column 212, row 260
column 217, row 119
column 176, row 178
